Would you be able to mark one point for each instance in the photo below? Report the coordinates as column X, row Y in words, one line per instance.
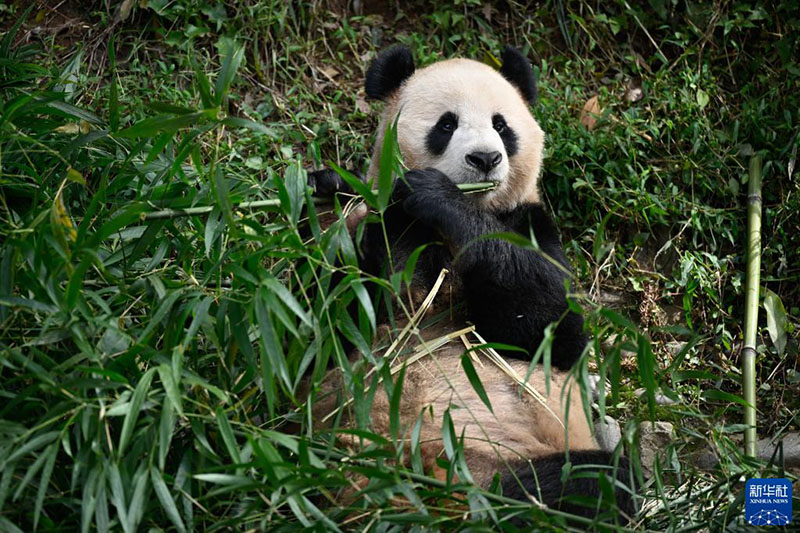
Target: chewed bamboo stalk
column 275, row 202
column 401, row 339
column 751, row 304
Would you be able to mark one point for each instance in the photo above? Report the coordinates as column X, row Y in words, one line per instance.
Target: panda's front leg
column 327, row 182
column 512, row 293
column 434, row 199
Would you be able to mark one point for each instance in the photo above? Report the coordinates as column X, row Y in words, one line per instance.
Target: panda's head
column 464, row 118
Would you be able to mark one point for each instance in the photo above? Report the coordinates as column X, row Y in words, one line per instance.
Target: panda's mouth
column 470, row 175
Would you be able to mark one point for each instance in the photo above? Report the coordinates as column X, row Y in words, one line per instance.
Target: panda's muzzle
column 484, row 161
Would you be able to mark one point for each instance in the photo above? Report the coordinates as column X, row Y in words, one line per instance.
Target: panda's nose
column 484, row 161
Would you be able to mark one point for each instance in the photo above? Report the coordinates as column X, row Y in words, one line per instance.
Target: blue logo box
column 768, row 502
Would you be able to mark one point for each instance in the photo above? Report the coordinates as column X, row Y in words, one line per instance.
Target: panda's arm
column 327, row 182
column 512, row 293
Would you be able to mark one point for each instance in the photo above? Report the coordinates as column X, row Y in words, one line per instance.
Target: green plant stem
column 203, row 210
column 751, row 304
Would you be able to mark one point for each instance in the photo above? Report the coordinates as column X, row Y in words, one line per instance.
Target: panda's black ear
column 518, row 71
column 388, row 71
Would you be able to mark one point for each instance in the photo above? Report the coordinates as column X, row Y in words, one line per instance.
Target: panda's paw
column 327, row 182
column 427, row 193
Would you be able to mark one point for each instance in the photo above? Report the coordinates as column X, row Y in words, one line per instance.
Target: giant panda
column 462, row 121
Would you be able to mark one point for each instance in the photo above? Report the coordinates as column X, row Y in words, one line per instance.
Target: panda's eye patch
column 448, row 122
column 506, row 133
column 440, row 134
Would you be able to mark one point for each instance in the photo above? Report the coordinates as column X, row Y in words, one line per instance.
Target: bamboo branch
column 260, row 204
column 751, row 304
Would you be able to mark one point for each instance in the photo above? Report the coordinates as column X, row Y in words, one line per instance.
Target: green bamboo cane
column 751, row 304
column 259, row 204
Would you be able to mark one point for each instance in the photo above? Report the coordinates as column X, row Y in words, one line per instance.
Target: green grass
column 150, row 370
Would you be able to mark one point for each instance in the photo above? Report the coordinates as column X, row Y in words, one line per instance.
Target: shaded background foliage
column 151, row 369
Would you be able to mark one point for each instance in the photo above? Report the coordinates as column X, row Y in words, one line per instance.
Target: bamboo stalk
column 274, row 202
column 751, row 304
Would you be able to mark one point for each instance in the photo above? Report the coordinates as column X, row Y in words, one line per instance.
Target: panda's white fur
column 518, row 428
column 521, row 437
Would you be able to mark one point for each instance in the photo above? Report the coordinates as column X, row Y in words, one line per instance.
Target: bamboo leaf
column 475, row 380
column 8, row 470
column 166, row 108
column 113, row 90
column 364, row 301
column 203, row 85
column 227, row 436
column 33, row 305
column 34, row 444
column 121, row 218
column 101, row 508
column 287, row 298
column 363, row 189
column 275, row 359
column 118, row 495
column 292, row 191
column 75, row 112
column 159, row 143
column 411, row 264
column 223, row 198
column 139, row 394
column 647, row 372
column 166, row 428
column 11, row 33
column 167, row 503
column 136, row 508
column 225, row 479
column 231, row 55
column 47, row 471
column 386, row 167
column 236, row 122
column 89, row 499
column 394, row 404
column 30, row 473
column 714, row 394
column 8, row 526
column 776, row 320
column 171, row 386
column 160, row 314
column 449, row 437
column 149, row 127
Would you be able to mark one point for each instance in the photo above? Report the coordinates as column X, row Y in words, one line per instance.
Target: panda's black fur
column 511, row 293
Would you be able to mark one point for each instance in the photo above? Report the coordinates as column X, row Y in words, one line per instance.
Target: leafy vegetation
column 151, row 370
